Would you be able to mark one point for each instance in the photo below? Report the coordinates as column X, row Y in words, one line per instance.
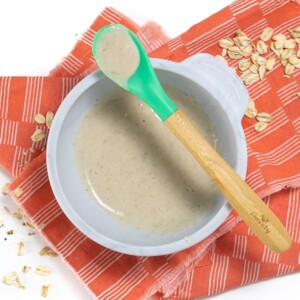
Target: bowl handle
column 218, row 78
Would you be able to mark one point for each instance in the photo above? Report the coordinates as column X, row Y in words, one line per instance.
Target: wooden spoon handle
column 243, row 199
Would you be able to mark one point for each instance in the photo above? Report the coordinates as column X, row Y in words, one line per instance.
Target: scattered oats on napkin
column 232, row 256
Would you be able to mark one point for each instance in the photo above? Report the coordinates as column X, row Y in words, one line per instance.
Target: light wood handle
column 243, row 199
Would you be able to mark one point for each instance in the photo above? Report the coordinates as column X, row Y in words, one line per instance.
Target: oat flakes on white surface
column 18, row 214
column 21, row 248
column 25, row 269
column 44, row 290
column 13, row 279
column 3, row 190
column 43, row 271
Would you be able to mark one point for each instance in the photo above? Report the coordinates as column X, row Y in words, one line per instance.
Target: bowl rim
column 162, row 249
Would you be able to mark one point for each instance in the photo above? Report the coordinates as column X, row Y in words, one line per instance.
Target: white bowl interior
column 86, row 213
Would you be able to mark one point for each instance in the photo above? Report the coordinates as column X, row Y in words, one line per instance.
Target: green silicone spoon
column 143, row 81
column 123, row 59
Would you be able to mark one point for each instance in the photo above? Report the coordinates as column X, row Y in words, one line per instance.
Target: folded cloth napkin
column 232, row 256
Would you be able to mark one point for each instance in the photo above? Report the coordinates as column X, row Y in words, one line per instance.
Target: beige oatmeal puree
column 137, row 170
column 117, row 54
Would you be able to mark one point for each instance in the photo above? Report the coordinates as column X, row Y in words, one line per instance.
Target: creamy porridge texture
column 117, row 54
column 136, row 168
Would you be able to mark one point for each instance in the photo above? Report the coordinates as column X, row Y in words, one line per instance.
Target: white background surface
column 35, row 35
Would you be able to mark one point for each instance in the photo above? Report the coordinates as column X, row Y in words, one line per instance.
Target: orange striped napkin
column 230, row 257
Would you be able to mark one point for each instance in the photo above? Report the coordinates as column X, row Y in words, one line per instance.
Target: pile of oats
column 39, row 134
column 262, row 118
column 15, row 278
column 39, row 118
column 12, row 278
column 255, row 60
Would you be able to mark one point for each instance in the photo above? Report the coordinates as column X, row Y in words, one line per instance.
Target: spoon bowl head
column 122, row 57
